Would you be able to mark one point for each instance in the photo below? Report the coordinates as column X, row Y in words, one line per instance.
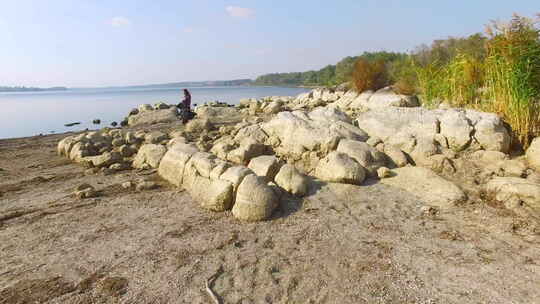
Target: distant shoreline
column 31, row 89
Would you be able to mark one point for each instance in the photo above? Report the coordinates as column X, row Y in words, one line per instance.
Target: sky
column 89, row 43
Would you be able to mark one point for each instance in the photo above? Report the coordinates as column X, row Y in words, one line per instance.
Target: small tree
column 369, row 75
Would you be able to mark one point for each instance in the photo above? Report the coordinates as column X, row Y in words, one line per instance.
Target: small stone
column 383, row 172
column 85, row 191
column 83, row 186
column 91, row 171
column 428, row 210
column 119, row 166
column 107, row 171
column 127, row 185
column 373, row 141
column 146, row 186
column 117, row 142
column 127, row 151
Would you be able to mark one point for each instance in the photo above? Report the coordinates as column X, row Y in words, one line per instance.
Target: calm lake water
column 31, row 113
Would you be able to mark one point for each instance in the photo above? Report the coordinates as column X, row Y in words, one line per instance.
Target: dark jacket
column 187, row 100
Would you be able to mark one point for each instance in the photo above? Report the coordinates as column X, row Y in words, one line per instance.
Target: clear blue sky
column 85, row 43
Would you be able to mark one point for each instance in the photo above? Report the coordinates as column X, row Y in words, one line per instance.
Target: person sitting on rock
column 185, row 106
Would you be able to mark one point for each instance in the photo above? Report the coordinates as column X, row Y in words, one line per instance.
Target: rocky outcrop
column 427, row 185
column 241, row 166
column 217, row 185
column 422, row 133
column 369, row 100
column 295, row 135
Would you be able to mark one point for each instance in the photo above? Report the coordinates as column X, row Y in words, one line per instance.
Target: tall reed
column 513, row 75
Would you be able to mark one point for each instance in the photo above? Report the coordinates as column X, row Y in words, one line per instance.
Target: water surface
column 31, row 113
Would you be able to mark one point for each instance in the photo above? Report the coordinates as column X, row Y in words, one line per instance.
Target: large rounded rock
column 255, row 200
column 290, row 179
column 533, row 154
column 427, row 185
column 149, row 154
column 338, row 167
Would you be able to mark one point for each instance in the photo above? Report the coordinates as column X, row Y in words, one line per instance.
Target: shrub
column 368, row 75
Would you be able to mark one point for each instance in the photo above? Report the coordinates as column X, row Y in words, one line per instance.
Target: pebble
column 146, row 186
column 91, row 171
column 85, row 191
column 384, row 172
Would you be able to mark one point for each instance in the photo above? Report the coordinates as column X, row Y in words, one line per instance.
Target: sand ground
column 340, row 244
